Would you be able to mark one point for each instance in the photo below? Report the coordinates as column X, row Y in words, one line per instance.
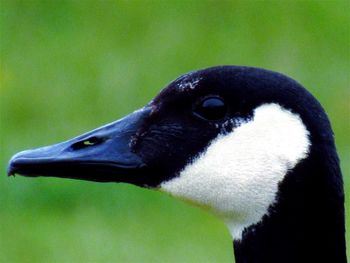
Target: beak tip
column 11, row 168
column 15, row 163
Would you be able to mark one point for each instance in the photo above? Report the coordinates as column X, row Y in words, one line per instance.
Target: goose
column 250, row 145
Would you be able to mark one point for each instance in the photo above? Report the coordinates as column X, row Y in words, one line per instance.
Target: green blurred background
column 69, row 66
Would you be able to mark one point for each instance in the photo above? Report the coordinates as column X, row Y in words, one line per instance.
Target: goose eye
column 212, row 109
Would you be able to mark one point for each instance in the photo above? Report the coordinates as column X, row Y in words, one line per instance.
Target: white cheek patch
column 237, row 176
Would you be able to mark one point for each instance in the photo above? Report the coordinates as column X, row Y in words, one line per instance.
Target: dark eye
column 211, row 108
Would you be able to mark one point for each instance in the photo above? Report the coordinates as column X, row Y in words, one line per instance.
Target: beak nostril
column 92, row 141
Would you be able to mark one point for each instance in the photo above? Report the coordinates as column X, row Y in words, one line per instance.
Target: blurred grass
column 70, row 66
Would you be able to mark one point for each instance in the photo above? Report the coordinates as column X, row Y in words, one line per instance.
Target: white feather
column 237, row 176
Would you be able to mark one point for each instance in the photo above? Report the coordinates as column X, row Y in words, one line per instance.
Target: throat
column 290, row 243
column 306, row 224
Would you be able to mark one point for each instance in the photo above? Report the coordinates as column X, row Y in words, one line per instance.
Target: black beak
column 102, row 155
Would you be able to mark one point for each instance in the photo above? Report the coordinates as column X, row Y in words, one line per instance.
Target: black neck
column 307, row 222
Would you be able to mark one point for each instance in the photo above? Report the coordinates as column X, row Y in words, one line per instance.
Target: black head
column 275, row 180
column 154, row 143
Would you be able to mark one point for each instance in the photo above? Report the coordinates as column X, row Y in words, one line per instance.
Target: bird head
column 222, row 138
